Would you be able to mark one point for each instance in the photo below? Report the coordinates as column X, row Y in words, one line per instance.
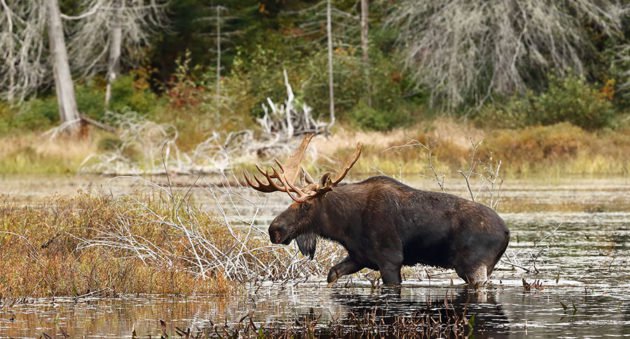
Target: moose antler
column 349, row 164
column 286, row 174
column 285, row 178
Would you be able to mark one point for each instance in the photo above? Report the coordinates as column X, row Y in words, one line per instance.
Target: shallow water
column 499, row 311
column 573, row 234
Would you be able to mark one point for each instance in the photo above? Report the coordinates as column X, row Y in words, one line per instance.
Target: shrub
column 43, row 112
column 537, row 145
column 566, row 100
column 129, row 95
column 385, row 89
column 512, row 114
column 261, row 70
column 37, row 113
column 348, row 80
column 370, row 118
column 573, row 100
column 91, row 100
column 5, row 118
column 125, row 96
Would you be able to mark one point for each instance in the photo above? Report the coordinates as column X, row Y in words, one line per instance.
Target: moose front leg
column 390, row 273
column 346, row 266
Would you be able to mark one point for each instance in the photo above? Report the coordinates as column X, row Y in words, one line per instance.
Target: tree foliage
column 457, row 54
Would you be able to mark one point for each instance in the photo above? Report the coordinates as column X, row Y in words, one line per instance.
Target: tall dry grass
column 154, row 243
column 33, row 153
column 555, row 150
column 531, row 151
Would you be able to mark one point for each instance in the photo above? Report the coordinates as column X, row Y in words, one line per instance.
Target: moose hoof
column 332, row 277
column 477, row 277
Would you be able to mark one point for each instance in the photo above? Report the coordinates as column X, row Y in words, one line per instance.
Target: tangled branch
column 232, row 245
column 146, row 147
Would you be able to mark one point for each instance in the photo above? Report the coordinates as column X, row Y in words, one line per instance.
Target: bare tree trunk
column 331, row 90
column 9, row 57
column 115, row 46
column 364, row 47
column 218, row 89
column 64, row 86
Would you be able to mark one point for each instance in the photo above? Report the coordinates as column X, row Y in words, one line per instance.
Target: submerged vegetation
column 434, row 320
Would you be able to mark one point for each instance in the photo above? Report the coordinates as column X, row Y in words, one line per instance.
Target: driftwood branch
column 97, row 124
column 157, row 143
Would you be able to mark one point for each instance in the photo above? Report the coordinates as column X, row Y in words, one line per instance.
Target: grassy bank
column 554, row 150
column 32, row 153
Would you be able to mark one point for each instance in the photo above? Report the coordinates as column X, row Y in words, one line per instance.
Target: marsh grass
column 39, row 154
column 153, row 243
column 549, row 151
column 40, row 255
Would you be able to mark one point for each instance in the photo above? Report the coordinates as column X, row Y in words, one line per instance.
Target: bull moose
column 382, row 223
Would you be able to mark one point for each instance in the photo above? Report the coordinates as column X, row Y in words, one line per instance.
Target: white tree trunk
column 115, row 46
column 9, row 57
column 365, row 49
column 331, row 90
column 218, row 84
column 64, row 86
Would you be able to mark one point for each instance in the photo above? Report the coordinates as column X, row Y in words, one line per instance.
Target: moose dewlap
column 383, row 224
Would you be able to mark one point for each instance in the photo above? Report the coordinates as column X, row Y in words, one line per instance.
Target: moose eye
column 305, row 206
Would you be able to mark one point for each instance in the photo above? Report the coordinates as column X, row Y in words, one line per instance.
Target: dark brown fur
column 384, row 224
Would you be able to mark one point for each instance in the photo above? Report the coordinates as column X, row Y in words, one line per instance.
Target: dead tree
column 472, row 49
column 285, row 121
column 112, row 31
column 25, row 65
column 365, row 48
column 64, row 86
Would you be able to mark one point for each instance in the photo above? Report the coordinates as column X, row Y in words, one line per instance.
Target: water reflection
column 448, row 305
column 498, row 311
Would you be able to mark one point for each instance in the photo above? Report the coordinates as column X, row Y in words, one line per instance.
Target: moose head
column 299, row 220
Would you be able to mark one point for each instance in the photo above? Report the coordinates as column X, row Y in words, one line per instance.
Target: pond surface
column 571, row 234
column 499, row 311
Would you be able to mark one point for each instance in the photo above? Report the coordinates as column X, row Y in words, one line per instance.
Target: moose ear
column 307, row 243
column 325, row 180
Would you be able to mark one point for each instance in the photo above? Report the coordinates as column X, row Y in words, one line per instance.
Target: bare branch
column 91, row 37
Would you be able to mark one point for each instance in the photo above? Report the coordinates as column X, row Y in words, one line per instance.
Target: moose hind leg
column 346, row 266
column 391, row 274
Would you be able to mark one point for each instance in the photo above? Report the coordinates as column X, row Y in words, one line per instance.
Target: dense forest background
column 176, row 66
column 212, row 65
